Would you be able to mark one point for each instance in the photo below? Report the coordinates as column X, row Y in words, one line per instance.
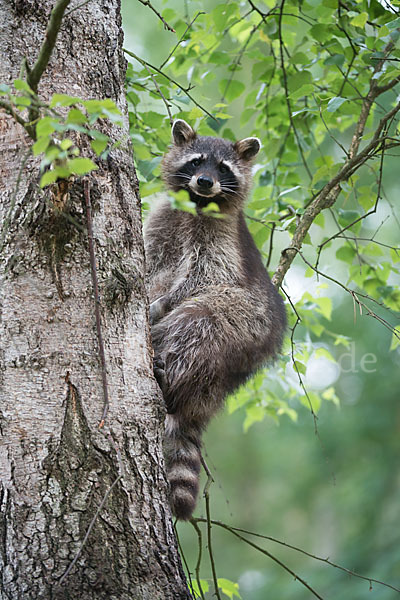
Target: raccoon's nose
column 205, row 182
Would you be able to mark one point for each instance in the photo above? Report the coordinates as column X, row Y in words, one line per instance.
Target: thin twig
column 209, row 541
column 285, row 84
column 181, row 38
column 302, row 385
column 263, row 551
column 166, row 26
column 163, row 98
column 271, row 243
column 183, row 557
column 371, row 212
column 185, row 90
column 355, row 295
column 313, row 556
column 25, row 124
column 89, row 529
column 238, row 59
column 93, row 271
column 199, row 556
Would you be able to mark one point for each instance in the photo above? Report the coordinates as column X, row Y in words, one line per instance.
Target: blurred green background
column 335, row 494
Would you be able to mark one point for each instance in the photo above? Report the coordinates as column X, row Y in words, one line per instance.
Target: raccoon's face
column 210, row 169
column 205, row 173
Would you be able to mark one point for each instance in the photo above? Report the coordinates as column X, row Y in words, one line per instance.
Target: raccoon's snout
column 205, row 182
column 204, row 185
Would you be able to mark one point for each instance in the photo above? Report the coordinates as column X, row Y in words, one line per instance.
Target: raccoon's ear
column 182, row 133
column 247, row 148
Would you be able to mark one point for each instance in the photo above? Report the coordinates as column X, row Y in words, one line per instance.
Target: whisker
column 225, row 190
column 232, row 184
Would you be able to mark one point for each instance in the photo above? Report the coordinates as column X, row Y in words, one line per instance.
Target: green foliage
column 227, row 587
column 315, row 82
column 61, row 154
column 294, row 76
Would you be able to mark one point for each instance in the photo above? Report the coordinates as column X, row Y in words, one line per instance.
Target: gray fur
column 216, row 317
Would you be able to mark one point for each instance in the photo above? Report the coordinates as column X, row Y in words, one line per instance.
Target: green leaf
column 99, row 106
column 324, row 353
column 212, row 207
column 19, row 84
column 204, row 586
column 45, row 126
column 66, row 143
column 63, row 100
column 222, row 13
column 359, row 20
column 321, row 33
column 300, row 367
column 76, row 116
column 228, row 588
column 329, row 394
column 47, row 178
column 395, row 339
column 22, row 101
column 348, row 216
column 147, row 167
column 324, row 307
column 99, row 145
column 181, row 201
column 254, row 414
column 231, row 89
column 393, row 24
column 40, row 145
column 335, row 59
column 335, row 103
column 220, row 58
column 81, row 166
column 346, row 253
column 313, row 399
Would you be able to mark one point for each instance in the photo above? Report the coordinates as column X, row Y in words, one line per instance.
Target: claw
column 160, row 374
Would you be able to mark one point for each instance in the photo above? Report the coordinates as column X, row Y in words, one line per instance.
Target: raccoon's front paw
column 160, row 374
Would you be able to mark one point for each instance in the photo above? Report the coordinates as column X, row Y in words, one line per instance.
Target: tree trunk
column 68, row 485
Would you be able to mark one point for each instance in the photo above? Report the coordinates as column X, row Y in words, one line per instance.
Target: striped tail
column 183, row 461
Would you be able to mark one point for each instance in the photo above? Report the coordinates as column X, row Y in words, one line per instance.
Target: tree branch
column 329, row 193
column 291, row 547
column 266, row 553
column 10, row 110
column 53, row 27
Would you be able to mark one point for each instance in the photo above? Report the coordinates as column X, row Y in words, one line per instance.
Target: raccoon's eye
column 223, row 169
column 195, row 162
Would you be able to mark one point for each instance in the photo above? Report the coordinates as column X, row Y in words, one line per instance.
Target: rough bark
column 57, row 467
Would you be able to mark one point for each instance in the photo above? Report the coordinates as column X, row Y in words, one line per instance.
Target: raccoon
column 215, row 316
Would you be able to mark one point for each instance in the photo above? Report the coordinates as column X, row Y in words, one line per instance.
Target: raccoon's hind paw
column 160, row 374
